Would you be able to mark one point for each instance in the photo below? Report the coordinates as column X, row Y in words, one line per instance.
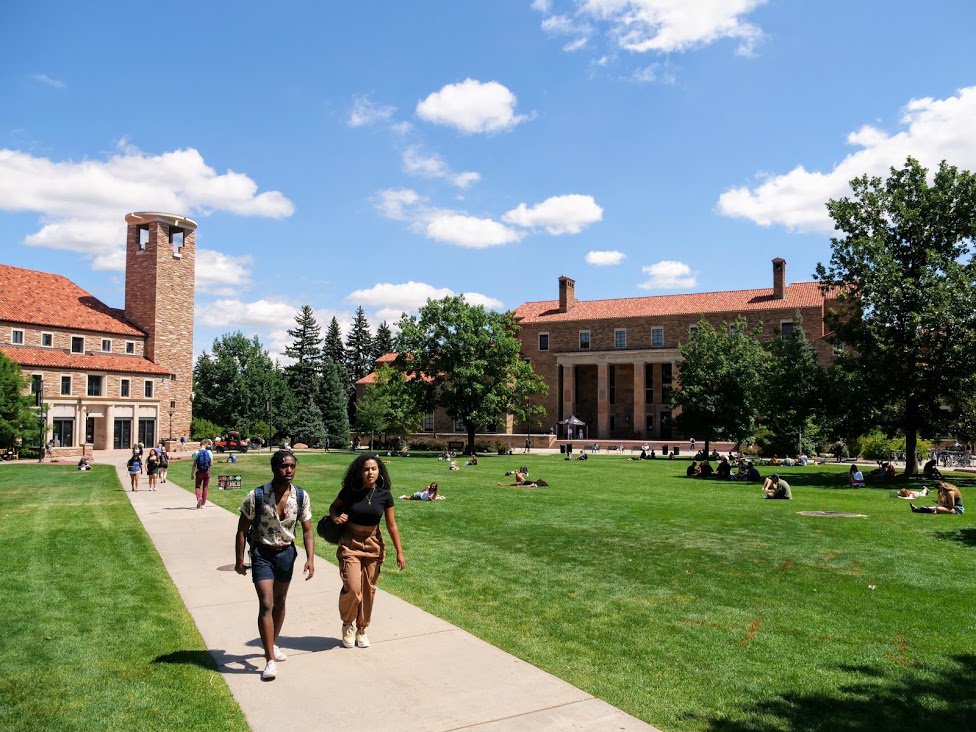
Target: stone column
column 639, row 414
column 602, row 402
column 569, row 391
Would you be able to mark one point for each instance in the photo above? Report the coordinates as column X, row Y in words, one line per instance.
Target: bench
column 455, row 446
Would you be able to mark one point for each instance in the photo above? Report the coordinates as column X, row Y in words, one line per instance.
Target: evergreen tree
column 332, row 348
column 306, row 350
column 359, row 347
column 308, row 426
column 333, row 403
column 383, row 341
column 17, row 419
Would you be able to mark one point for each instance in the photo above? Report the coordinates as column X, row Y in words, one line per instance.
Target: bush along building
column 109, row 378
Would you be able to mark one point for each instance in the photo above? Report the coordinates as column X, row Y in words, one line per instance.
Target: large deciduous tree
column 794, row 387
column 17, row 419
column 466, row 359
column 721, row 382
column 905, row 276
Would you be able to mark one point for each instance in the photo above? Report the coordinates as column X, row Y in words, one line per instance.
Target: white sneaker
column 361, row 639
column 270, row 671
column 280, row 655
column 348, row 636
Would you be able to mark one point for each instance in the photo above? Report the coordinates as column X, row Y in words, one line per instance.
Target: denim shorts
column 268, row 563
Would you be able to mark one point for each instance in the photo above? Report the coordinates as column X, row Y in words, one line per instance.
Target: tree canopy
column 17, row 418
column 904, row 274
column 466, row 359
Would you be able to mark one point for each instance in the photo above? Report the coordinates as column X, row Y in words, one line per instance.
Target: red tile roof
column 797, row 295
column 39, row 298
column 387, row 359
column 55, row 359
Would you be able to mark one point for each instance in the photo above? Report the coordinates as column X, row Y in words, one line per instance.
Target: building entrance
column 123, row 434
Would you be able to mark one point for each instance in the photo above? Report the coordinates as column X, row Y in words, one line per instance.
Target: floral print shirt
column 270, row 530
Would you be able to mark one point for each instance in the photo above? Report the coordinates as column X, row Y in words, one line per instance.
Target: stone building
column 110, row 378
column 610, row 362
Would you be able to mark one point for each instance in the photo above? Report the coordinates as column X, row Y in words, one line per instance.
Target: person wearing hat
column 776, row 487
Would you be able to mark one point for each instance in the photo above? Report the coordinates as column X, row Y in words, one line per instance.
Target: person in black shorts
column 365, row 498
column 270, row 527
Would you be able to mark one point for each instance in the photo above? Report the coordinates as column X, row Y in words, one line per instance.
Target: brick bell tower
column 160, row 264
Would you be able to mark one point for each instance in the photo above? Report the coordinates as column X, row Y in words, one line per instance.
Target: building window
column 692, row 330
column 106, row 345
column 17, row 336
column 47, row 339
column 648, row 383
column 77, row 344
column 94, row 386
column 65, row 386
column 459, row 426
column 543, row 341
column 130, row 346
column 786, row 329
column 649, row 424
column 90, row 430
column 64, row 432
column 429, row 422
column 148, row 391
column 124, row 388
column 143, row 237
column 657, row 337
column 584, row 336
column 172, row 404
column 666, row 370
column 612, row 383
column 620, row 338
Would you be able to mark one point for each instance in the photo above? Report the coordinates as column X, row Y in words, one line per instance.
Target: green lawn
column 94, row 635
column 695, row 605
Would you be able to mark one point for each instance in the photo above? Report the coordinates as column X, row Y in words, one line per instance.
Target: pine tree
column 359, row 347
column 308, row 426
column 333, row 403
column 383, row 341
column 304, row 374
column 332, row 348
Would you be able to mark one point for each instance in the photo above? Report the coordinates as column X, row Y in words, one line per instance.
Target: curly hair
column 277, row 458
column 353, row 480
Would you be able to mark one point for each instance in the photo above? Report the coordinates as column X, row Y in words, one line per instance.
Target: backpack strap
column 258, row 508
column 300, row 495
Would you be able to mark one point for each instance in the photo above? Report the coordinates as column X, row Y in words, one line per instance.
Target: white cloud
column 222, row 274
column 575, row 45
column 433, row 166
column 667, row 275
column 667, row 26
column 568, row 214
column 561, row 25
column 365, row 113
column 398, row 204
column 234, row 313
column 82, row 204
column 470, row 232
column 934, row 130
column 605, row 258
column 48, row 81
column 389, row 301
column 541, row 5
column 655, row 72
column 471, row 107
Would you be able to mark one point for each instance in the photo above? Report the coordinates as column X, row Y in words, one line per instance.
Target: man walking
column 200, row 463
column 269, row 518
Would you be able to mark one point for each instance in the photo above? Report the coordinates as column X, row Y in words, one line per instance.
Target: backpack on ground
column 259, row 507
column 204, row 460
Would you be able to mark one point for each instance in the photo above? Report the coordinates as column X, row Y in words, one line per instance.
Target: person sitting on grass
column 524, row 483
column 84, row 464
column 643, row 456
column 724, row 470
column 777, row 488
column 752, row 474
column 949, row 501
column 856, row 478
column 583, row 455
column 472, row 461
column 454, row 465
column 427, row 494
column 931, row 470
column 692, row 470
column 705, row 470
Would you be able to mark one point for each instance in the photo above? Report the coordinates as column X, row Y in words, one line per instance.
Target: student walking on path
column 269, row 518
column 365, row 498
column 200, row 463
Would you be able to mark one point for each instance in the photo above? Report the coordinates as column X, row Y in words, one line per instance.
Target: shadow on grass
column 203, row 659
column 962, row 536
column 915, row 698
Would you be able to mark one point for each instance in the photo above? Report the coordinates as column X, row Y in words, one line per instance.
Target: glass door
column 123, row 434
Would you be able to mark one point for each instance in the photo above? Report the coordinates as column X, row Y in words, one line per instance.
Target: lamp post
column 84, row 443
column 170, row 425
column 267, row 411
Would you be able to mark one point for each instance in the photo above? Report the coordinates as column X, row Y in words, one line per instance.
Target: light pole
column 170, row 425
column 84, row 443
column 267, row 411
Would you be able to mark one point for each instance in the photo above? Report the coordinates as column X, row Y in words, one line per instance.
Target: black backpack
column 259, row 507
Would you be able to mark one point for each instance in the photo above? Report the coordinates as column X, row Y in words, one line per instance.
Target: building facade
column 109, row 378
column 611, row 363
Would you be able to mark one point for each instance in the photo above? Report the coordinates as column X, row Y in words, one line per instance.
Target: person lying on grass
column 427, row 494
column 949, row 501
column 777, row 488
column 525, row 483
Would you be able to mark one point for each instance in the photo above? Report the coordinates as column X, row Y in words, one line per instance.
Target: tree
column 371, row 413
column 234, row 384
column 466, row 359
column 794, row 384
column 905, row 278
column 403, row 415
column 306, row 350
column 17, row 418
column 359, row 347
column 332, row 348
column 333, row 404
column 382, row 341
column 721, row 383
column 307, row 426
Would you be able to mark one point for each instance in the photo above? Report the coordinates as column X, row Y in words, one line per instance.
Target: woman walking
column 134, row 465
column 163, row 463
column 365, row 498
column 152, row 468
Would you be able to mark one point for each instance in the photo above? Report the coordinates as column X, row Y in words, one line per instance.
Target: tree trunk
column 470, row 428
column 911, row 436
column 705, row 449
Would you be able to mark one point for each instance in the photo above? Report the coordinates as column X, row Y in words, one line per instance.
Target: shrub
column 427, row 444
column 877, row 446
column 201, row 429
column 503, row 448
column 483, row 446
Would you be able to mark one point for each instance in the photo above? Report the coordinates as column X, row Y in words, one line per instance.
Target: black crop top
column 365, row 508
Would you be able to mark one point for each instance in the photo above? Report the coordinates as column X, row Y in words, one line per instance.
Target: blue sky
column 338, row 154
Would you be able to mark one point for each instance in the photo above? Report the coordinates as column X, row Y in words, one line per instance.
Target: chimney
column 779, row 278
column 567, row 294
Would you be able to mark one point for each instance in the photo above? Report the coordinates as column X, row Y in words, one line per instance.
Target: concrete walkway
column 424, row 674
